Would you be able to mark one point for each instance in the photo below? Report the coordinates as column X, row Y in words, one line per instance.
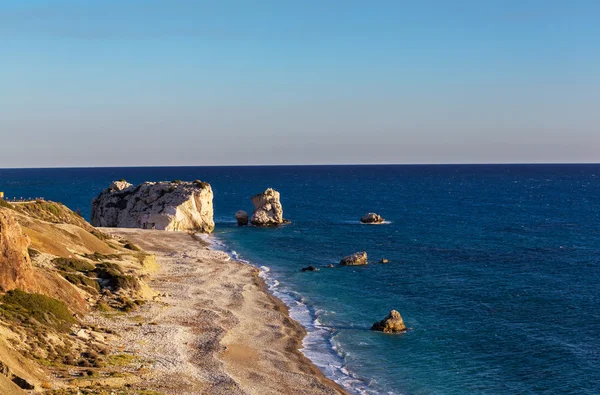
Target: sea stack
column 356, row 259
column 393, row 323
column 372, row 218
column 267, row 209
column 241, row 218
column 173, row 206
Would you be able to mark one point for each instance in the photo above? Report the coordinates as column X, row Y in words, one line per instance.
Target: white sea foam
column 357, row 222
column 319, row 344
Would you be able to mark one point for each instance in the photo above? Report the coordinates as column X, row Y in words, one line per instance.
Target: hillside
column 55, row 269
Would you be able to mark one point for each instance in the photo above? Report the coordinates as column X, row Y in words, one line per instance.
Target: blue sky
column 111, row 83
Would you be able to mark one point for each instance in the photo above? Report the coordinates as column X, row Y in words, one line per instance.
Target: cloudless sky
column 174, row 82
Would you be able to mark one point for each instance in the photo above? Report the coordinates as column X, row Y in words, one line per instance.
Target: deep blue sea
column 495, row 268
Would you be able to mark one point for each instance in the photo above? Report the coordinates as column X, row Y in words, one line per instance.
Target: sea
column 494, row 268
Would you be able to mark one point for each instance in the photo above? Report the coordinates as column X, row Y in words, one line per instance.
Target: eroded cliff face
column 172, row 206
column 16, row 270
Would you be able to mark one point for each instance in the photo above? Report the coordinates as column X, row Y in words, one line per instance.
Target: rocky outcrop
column 242, row 218
column 356, row 259
column 16, row 270
column 372, row 218
column 384, row 261
column 267, row 209
column 310, row 268
column 393, row 323
column 173, row 206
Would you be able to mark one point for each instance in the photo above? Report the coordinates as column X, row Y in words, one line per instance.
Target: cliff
column 16, row 270
column 172, row 206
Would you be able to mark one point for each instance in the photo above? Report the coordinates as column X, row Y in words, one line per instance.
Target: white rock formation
column 173, row 206
column 267, row 209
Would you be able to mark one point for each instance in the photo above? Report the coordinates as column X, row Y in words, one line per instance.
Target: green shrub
column 96, row 256
column 4, row 203
column 24, row 307
column 32, row 253
column 100, row 235
column 120, row 359
column 52, row 208
column 81, row 281
column 131, row 246
column 115, row 276
column 73, row 265
column 201, row 184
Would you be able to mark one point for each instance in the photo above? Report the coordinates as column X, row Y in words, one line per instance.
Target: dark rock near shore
column 242, row 218
column 393, row 323
column 310, row 269
column 356, row 259
column 372, row 218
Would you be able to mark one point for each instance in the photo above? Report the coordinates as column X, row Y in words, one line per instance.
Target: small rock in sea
column 358, row 258
column 329, row 266
column 242, row 218
column 372, row 218
column 384, row 261
column 310, row 268
column 393, row 323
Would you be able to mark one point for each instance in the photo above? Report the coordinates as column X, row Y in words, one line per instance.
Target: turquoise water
column 495, row 269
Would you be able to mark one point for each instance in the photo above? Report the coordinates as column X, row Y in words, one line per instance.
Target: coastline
column 216, row 327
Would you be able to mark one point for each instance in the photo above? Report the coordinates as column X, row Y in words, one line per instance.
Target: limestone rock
column 120, row 185
column 267, row 209
column 372, row 218
column 393, row 323
column 172, row 206
column 384, row 261
column 356, row 259
column 242, row 218
column 16, row 270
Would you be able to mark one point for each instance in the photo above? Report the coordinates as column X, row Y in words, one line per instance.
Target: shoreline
column 216, row 328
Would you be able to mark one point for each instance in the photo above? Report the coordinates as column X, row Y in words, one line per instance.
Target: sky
column 181, row 82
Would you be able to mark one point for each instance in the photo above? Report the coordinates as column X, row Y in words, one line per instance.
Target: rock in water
column 384, row 261
column 372, row 218
column 173, row 206
column 267, row 209
column 393, row 323
column 310, row 268
column 356, row 259
column 16, row 270
column 242, row 218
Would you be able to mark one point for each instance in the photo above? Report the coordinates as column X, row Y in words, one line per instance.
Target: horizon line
column 310, row 165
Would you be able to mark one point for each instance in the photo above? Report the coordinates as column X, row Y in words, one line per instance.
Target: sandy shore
column 217, row 330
